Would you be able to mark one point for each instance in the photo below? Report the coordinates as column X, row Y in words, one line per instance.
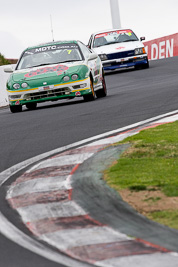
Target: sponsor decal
column 96, row 81
column 50, row 48
column 101, row 35
column 17, row 102
column 45, row 48
column 46, row 87
column 58, row 68
column 96, row 71
column 129, row 32
column 162, row 47
column 78, row 93
column 120, row 47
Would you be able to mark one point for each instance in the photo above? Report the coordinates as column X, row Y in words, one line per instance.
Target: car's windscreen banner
column 49, row 48
column 129, row 32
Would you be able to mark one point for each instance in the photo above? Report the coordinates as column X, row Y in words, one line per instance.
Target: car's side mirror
column 92, row 56
column 142, row 38
column 8, row 69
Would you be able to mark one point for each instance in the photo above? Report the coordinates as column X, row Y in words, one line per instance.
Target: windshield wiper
column 98, row 46
column 43, row 64
column 111, row 43
column 121, row 42
column 50, row 63
column 72, row 60
column 129, row 40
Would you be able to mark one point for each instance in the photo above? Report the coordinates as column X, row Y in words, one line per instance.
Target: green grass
column 169, row 218
column 151, row 161
column 142, row 173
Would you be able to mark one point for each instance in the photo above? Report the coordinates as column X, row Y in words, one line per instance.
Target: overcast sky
column 24, row 23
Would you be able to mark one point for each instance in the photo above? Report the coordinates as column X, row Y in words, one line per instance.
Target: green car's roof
column 51, row 43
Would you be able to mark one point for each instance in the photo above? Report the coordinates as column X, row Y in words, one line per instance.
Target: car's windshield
column 113, row 37
column 50, row 54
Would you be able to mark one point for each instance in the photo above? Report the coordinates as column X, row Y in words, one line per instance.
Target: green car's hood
column 48, row 71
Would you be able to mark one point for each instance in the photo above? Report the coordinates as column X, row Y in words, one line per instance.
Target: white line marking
column 169, row 119
column 111, row 140
column 63, row 160
column 14, row 234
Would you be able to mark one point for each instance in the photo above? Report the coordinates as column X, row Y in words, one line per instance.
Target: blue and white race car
column 119, row 48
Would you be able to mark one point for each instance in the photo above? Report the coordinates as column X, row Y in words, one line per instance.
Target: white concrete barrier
column 3, row 94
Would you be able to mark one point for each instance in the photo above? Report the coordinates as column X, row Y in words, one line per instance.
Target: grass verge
column 148, row 168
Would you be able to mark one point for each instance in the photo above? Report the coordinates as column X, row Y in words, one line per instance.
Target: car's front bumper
column 49, row 92
column 125, row 62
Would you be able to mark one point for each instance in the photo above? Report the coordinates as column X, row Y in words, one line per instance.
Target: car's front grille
column 121, row 54
column 47, row 93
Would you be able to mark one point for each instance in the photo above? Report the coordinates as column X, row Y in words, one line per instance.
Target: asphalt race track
column 133, row 96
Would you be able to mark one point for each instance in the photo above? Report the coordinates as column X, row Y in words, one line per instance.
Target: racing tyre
column 142, row 66
column 15, row 109
column 146, row 66
column 102, row 92
column 31, row 106
column 92, row 96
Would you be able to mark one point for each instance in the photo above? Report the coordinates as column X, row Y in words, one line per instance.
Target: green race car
column 54, row 71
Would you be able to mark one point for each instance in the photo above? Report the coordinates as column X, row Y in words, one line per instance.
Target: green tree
column 3, row 60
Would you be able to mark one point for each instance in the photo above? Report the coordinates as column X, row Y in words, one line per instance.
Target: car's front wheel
column 143, row 66
column 15, row 109
column 146, row 66
column 90, row 97
column 102, row 92
column 31, row 106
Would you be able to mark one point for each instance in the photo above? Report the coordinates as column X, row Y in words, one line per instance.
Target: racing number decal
column 69, row 51
column 58, row 68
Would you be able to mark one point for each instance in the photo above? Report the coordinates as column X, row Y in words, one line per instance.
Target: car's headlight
column 103, row 57
column 74, row 77
column 139, row 51
column 24, row 85
column 66, row 78
column 16, row 85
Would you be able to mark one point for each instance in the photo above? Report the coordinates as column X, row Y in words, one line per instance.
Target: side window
column 90, row 41
column 86, row 52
